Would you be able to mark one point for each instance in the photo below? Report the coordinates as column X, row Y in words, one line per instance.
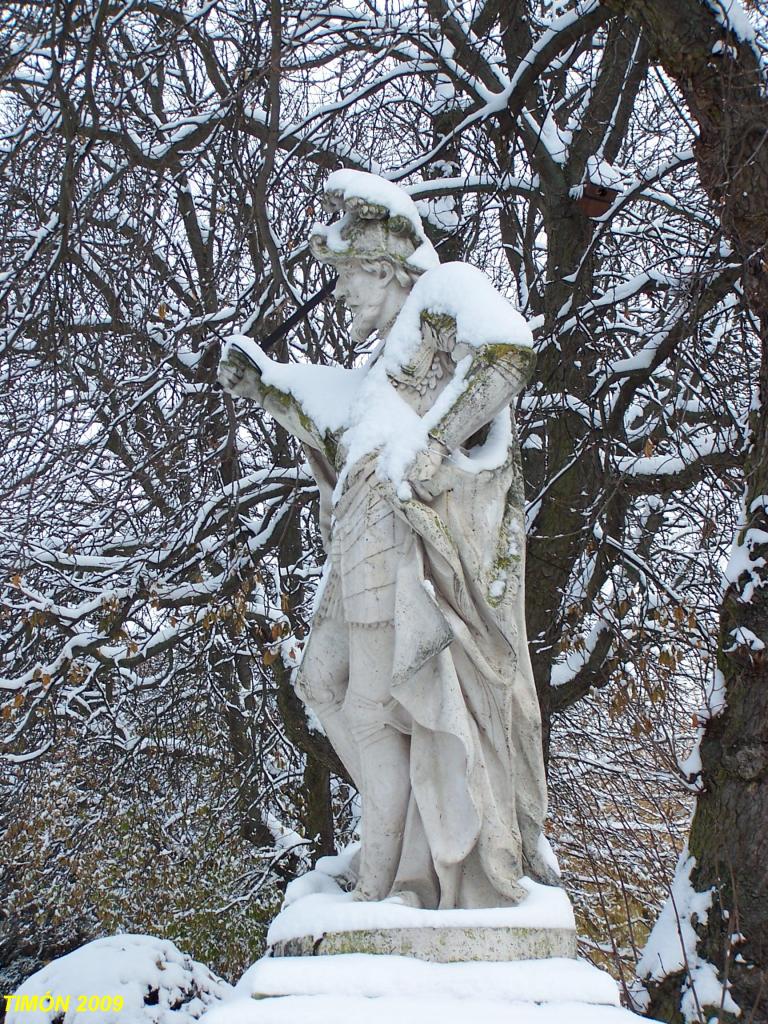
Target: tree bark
column 721, row 80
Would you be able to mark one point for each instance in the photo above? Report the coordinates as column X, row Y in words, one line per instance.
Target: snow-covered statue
column 417, row 664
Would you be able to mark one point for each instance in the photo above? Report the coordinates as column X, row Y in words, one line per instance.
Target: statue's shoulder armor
column 438, row 332
column 435, row 356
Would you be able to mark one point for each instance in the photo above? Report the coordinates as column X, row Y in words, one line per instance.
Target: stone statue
column 417, row 663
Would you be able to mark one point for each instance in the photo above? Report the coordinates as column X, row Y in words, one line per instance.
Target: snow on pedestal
column 387, row 989
column 332, row 922
column 157, row 984
column 319, row 917
column 380, row 988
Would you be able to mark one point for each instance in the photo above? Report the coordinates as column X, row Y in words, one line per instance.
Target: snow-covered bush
column 136, row 979
column 154, row 854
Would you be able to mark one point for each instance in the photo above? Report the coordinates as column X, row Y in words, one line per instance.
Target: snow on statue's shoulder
column 468, row 297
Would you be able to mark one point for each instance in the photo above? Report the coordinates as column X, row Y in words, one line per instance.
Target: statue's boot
column 384, row 760
column 405, row 898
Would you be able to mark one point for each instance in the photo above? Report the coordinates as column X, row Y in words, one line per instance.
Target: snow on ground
column 157, row 982
column 336, row 1009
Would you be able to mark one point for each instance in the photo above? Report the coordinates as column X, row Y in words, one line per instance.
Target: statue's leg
column 378, row 726
column 321, row 682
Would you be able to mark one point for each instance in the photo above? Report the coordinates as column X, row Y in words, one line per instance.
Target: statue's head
column 378, row 247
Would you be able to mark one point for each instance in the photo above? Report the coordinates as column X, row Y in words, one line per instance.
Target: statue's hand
column 424, row 473
column 238, row 375
column 425, row 465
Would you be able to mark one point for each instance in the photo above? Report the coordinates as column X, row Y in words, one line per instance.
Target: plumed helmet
column 378, row 221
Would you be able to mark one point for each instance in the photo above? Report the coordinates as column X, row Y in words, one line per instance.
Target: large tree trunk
column 719, row 75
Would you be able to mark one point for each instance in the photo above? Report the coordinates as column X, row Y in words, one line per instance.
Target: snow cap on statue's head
column 379, row 221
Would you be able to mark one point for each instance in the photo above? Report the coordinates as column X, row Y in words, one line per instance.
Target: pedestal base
column 333, row 959
column 385, row 989
column 438, row 945
column 332, row 923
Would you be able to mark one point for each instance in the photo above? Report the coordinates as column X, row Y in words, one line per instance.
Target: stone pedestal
column 403, row 990
column 322, row 920
column 332, row 959
column 438, row 945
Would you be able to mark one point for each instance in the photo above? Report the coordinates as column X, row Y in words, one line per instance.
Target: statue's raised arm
column 417, row 664
column 246, row 371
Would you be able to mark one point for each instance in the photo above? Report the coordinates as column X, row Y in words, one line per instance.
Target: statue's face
column 371, row 296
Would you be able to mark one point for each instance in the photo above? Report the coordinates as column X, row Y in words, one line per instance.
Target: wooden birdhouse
column 596, row 199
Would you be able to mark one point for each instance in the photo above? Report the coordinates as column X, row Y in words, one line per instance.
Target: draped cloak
column 462, row 673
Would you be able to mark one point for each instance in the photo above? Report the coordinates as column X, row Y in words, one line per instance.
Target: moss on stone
column 438, row 321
